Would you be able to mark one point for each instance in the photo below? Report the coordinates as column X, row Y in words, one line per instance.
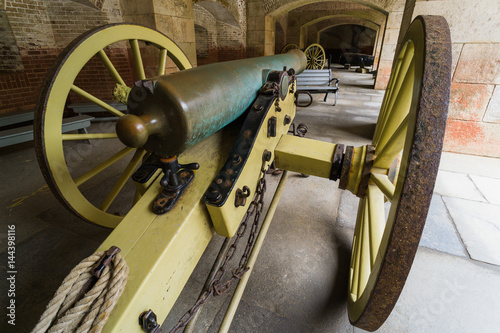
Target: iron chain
column 216, row 286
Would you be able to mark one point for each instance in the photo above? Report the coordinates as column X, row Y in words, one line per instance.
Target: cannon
column 201, row 140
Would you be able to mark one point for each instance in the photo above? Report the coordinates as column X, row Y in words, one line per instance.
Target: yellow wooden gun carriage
column 201, row 141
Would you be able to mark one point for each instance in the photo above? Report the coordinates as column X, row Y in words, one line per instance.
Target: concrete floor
column 299, row 283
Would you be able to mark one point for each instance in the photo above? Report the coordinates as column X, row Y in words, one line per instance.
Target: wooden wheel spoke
column 393, row 147
column 402, row 83
column 109, row 66
column 137, row 59
column 355, row 266
column 127, row 173
column 162, row 62
column 89, row 136
column 382, row 119
column 103, row 166
column 357, row 246
column 402, row 66
column 364, row 262
column 376, row 220
column 95, row 100
column 384, row 185
column 400, row 104
column 356, row 249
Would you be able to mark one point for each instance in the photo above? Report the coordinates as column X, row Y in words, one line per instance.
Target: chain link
column 216, row 286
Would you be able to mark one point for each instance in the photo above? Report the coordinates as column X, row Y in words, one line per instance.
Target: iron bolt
column 236, row 159
column 267, row 155
column 241, row 196
column 287, row 120
column 148, row 322
column 213, row 195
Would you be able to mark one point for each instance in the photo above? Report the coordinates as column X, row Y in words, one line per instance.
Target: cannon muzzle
column 170, row 113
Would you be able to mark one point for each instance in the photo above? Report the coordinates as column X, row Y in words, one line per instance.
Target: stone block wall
column 255, row 29
column 389, row 45
column 474, row 113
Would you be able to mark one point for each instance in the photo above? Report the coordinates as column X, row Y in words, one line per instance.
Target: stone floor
column 299, row 283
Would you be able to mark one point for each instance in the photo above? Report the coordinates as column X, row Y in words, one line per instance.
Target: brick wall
column 41, row 29
column 229, row 42
column 9, row 52
column 224, row 41
column 206, row 52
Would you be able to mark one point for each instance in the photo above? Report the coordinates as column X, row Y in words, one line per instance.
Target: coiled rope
column 76, row 310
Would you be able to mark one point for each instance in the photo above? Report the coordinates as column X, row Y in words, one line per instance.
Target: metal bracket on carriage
column 176, row 178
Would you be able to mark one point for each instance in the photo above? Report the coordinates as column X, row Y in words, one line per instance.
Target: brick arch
column 219, row 12
column 335, row 50
column 368, row 24
column 361, row 16
column 235, row 8
column 280, row 7
column 327, row 23
column 226, row 38
column 301, row 18
column 279, row 37
column 303, row 37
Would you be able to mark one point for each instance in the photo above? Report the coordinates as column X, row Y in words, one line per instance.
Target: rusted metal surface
column 185, row 107
column 346, row 167
column 216, row 286
column 423, row 163
column 241, row 196
column 338, row 155
column 367, row 166
column 148, row 322
column 223, row 184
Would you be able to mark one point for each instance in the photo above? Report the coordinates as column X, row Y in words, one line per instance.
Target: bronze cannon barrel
column 170, row 113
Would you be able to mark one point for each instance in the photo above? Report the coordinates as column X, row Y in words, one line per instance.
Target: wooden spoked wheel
column 288, row 47
column 316, row 56
column 91, row 184
column 408, row 139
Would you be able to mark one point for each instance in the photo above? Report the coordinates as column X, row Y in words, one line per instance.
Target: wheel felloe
column 408, row 141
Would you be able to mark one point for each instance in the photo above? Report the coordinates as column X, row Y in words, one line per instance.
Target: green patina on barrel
column 183, row 108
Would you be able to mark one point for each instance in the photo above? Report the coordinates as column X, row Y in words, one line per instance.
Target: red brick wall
column 20, row 88
column 225, row 41
column 40, row 29
column 205, row 27
column 229, row 45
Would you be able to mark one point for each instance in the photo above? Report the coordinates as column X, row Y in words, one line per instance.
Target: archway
column 222, row 33
column 348, row 38
column 279, row 38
